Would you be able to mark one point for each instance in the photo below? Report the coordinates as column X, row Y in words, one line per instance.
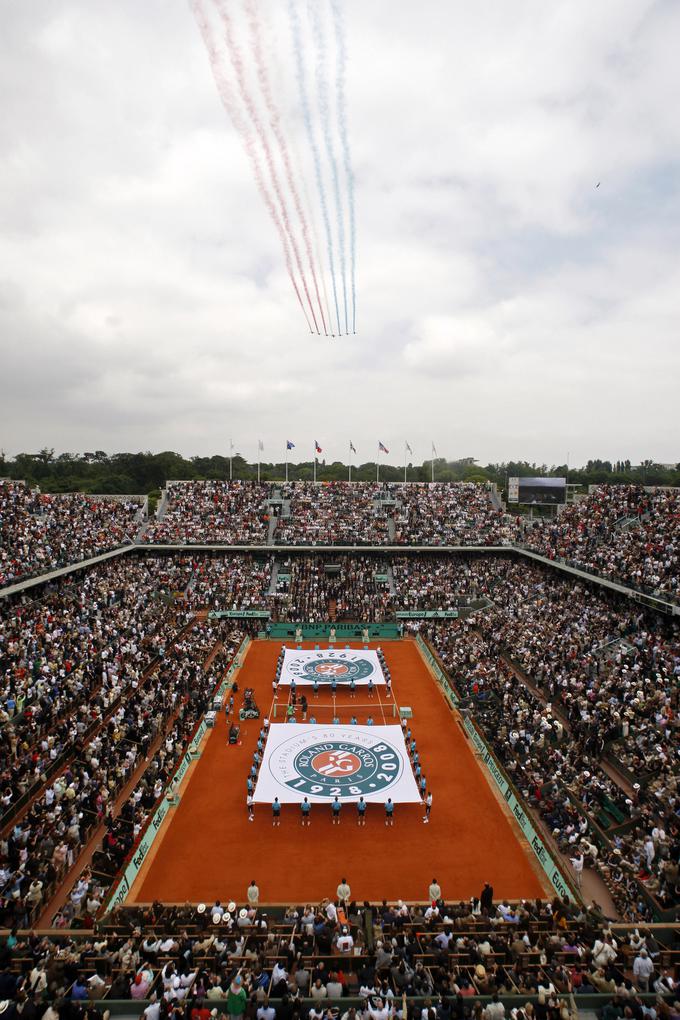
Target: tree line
column 145, row 473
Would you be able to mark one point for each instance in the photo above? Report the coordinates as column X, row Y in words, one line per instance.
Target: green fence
column 239, row 614
column 342, row 630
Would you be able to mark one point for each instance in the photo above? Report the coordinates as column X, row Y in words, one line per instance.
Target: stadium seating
column 622, row 532
column 574, row 690
column 40, row 532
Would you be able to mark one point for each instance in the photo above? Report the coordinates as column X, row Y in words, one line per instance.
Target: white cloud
column 507, row 306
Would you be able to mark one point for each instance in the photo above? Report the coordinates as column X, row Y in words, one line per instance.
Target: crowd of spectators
column 169, row 707
column 557, row 712
column 235, row 582
column 234, row 513
column 442, row 513
column 431, row 581
column 64, row 657
column 622, row 532
column 70, row 665
column 575, row 689
column 436, row 961
column 333, row 513
column 40, row 532
column 354, row 588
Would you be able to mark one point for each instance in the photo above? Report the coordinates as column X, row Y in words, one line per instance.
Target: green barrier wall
column 342, row 630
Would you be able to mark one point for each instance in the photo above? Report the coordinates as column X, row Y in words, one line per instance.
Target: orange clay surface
column 208, row 850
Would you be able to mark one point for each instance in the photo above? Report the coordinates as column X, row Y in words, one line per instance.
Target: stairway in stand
column 332, row 610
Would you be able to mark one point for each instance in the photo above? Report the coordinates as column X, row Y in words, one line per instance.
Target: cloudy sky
column 506, row 306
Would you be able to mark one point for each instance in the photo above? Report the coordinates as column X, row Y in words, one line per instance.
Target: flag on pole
column 434, row 451
column 408, row 448
column 382, row 447
column 289, row 445
column 260, row 445
column 317, row 447
column 352, row 447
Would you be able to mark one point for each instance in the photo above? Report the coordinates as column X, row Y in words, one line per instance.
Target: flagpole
column 258, row 461
column 432, row 461
column 286, row 462
column 350, row 461
column 231, row 450
column 377, row 466
column 405, row 445
column 315, row 462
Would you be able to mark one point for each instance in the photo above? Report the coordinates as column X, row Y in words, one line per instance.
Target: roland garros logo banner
column 325, row 762
column 329, row 665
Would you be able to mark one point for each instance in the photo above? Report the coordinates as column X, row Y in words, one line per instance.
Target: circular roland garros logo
column 331, row 768
column 329, row 669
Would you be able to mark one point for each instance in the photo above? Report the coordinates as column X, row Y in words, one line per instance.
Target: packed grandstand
column 557, row 639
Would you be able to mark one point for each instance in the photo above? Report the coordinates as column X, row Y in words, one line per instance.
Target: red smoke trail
column 237, row 62
column 231, row 106
column 275, row 120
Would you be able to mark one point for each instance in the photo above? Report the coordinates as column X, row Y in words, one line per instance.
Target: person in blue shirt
column 306, row 809
column 361, row 811
column 423, row 785
column 312, row 720
column 336, row 720
column 335, row 807
column 369, row 721
column 79, row 989
column 389, row 812
column 353, row 721
column 276, row 812
column 250, row 786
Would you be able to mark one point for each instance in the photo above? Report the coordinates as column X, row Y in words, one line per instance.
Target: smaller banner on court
column 325, row 762
column 329, row 664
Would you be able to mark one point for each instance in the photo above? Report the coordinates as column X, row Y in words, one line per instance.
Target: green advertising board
column 427, row 614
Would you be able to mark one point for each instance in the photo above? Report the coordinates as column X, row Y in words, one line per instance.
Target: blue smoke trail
column 344, row 137
column 322, row 88
column 304, row 101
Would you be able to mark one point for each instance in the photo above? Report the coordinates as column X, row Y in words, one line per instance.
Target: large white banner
column 328, row 664
column 322, row 762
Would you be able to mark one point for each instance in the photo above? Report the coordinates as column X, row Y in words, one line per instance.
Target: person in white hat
column 577, row 865
column 344, row 941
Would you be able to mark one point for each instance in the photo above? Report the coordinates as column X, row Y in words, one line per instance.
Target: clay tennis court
column 207, row 849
